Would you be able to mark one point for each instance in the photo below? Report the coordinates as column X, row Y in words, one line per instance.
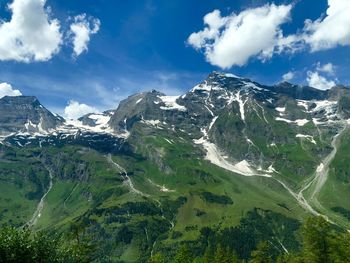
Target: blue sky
column 143, row 44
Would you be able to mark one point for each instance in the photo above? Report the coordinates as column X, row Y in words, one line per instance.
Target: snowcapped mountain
column 230, row 116
column 224, row 109
column 175, row 165
column 236, row 123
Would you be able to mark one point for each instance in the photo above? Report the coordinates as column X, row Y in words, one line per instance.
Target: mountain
column 26, row 114
column 229, row 156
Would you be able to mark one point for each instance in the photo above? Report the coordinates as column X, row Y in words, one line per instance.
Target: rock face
column 26, row 114
column 135, row 108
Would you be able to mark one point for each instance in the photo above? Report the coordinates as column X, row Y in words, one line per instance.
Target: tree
column 340, row 248
column 183, row 255
column 262, row 254
column 322, row 243
column 23, row 246
column 316, row 240
column 224, row 256
column 157, row 258
column 208, row 256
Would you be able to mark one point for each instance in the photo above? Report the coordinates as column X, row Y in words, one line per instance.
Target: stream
column 39, row 209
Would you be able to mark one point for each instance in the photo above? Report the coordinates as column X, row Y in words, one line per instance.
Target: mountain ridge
column 160, row 171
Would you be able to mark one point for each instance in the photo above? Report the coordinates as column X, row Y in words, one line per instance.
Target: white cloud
column 75, row 110
column 317, row 81
column 232, row 40
column 81, row 30
column 30, row 35
column 331, row 30
column 328, row 31
column 288, row 76
column 326, row 68
column 7, row 90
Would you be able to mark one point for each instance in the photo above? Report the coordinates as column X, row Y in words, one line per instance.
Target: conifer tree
column 157, row 258
column 316, row 240
column 262, row 254
column 183, row 255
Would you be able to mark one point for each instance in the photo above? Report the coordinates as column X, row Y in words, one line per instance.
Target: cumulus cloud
column 288, row 76
column 75, row 110
column 256, row 32
column 326, row 68
column 7, row 90
column 232, row 40
column 328, row 31
column 81, row 30
column 332, row 30
column 30, row 35
column 317, row 81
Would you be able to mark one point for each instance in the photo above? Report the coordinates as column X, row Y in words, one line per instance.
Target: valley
column 162, row 171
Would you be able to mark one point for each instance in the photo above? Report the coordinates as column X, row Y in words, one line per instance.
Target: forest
column 321, row 242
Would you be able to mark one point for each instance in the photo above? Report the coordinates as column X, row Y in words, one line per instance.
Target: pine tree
column 262, row 254
column 208, row 256
column 157, row 258
column 183, row 255
column 224, row 255
column 340, row 248
column 316, row 240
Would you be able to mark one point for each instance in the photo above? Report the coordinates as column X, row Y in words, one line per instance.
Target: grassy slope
column 336, row 192
column 177, row 165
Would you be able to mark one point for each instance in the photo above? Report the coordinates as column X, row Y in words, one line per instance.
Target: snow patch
column 299, row 122
column 230, row 75
column 238, row 98
column 320, row 168
column 271, row 169
column 308, row 137
column 212, row 122
column 101, row 125
column 326, row 105
column 161, row 188
column 303, row 103
column 151, row 122
column 170, row 103
column 214, row 155
column 281, row 109
column 100, row 119
column 253, row 86
column 170, row 142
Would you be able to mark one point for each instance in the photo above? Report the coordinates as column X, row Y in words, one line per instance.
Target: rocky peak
column 25, row 114
column 299, row 92
column 20, row 102
column 134, row 108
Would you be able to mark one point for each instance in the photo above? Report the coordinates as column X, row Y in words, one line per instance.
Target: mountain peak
column 25, row 114
column 20, row 99
column 218, row 74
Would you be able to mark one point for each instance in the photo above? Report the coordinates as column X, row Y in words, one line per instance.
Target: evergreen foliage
column 20, row 245
column 322, row 243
